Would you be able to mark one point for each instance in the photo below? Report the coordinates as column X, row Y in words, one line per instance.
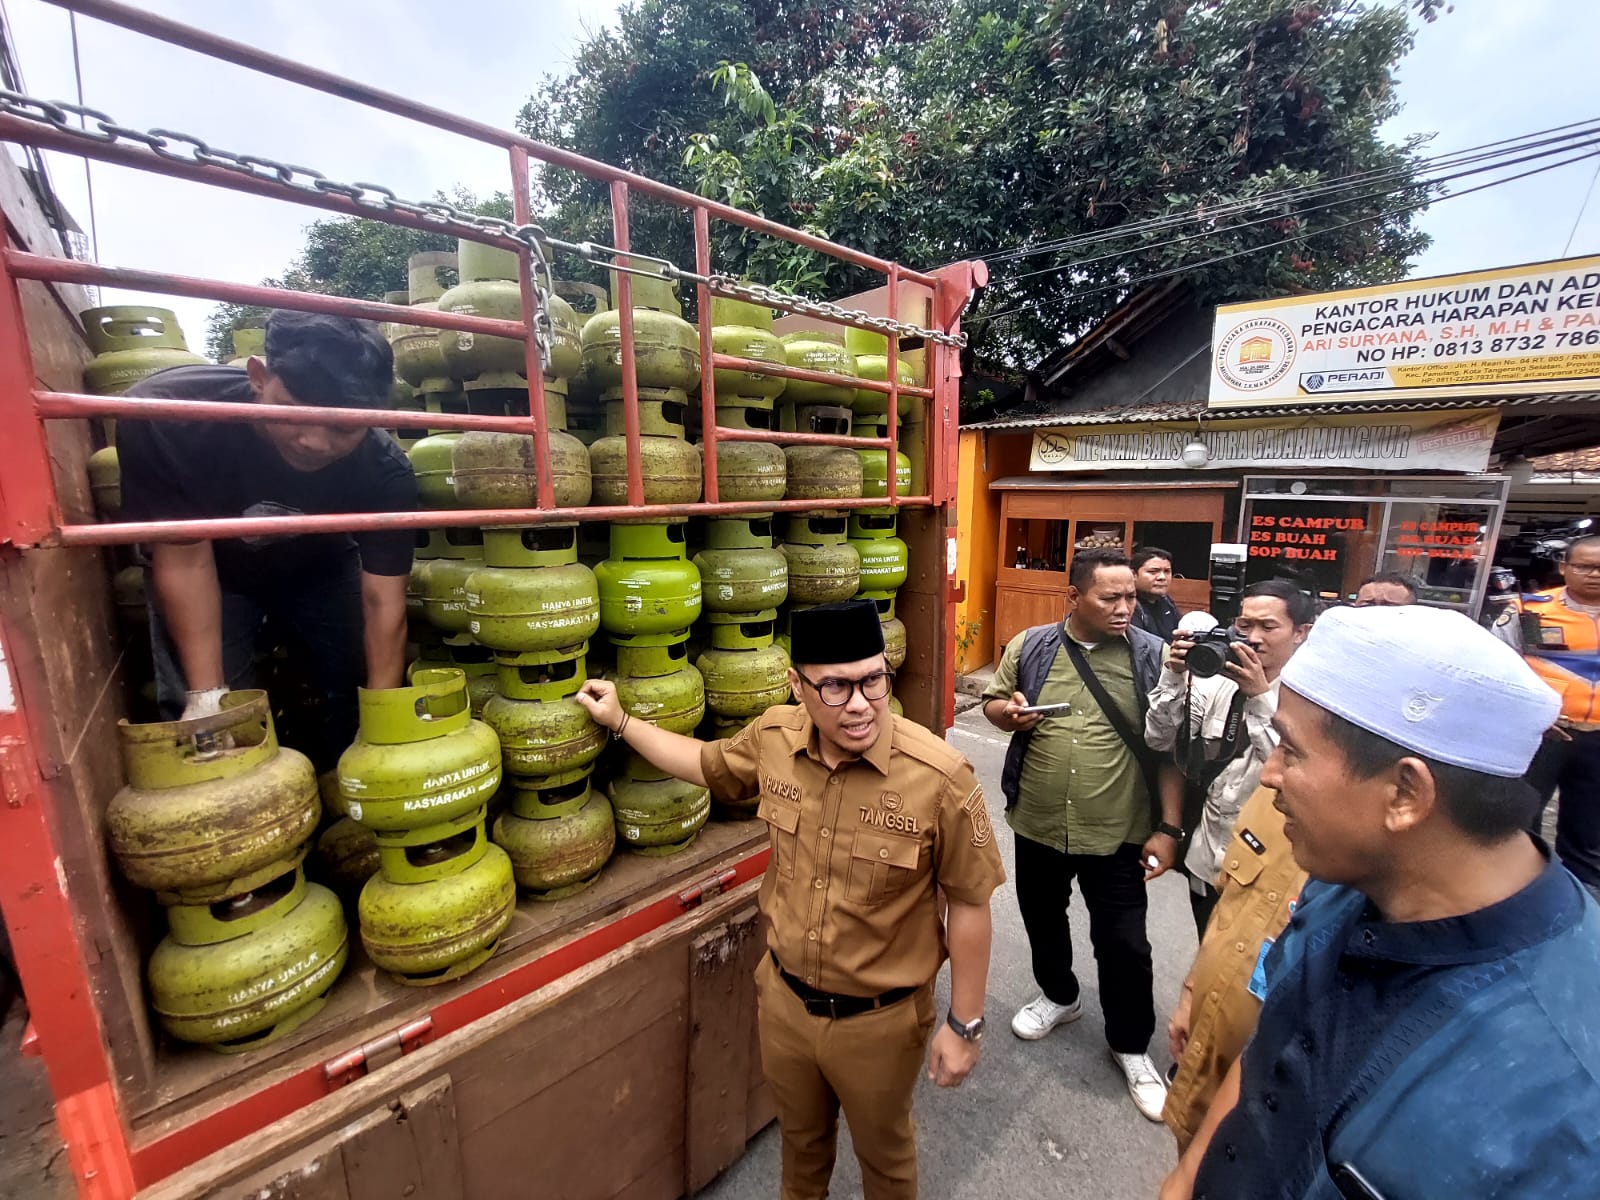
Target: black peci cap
column 327, row 360
column 846, row 631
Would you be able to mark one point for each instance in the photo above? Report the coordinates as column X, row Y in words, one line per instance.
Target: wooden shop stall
column 607, row 1048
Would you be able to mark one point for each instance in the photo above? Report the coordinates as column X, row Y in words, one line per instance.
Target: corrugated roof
column 1197, row 408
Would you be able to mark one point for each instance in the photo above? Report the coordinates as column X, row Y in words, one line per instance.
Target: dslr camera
column 1213, row 650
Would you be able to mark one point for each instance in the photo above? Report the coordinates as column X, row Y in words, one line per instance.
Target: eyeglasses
column 1582, row 568
column 836, row 693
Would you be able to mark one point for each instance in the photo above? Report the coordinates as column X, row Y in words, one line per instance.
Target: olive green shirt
column 1081, row 791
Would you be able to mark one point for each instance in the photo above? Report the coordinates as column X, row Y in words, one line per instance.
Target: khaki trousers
column 866, row 1064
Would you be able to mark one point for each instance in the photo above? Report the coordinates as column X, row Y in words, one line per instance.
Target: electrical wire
column 1502, row 148
column 1301, row 212
column 1221, row 258
column 88, row 176
column 1582, row 208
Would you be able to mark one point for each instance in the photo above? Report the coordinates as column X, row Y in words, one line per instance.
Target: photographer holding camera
column 1213, row 708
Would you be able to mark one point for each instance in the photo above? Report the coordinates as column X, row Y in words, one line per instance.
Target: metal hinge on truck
column 379, row 1052
column 707, row 888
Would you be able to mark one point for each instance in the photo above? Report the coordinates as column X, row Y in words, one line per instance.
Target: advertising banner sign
column 1521, row 330
column 1430, row 441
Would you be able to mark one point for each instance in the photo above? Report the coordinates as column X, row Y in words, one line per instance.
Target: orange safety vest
column 1565, row 654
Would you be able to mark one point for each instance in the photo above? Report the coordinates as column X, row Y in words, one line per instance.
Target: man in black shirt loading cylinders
column 342, row 595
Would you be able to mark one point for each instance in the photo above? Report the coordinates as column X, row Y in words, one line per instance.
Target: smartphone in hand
column 1063, row 707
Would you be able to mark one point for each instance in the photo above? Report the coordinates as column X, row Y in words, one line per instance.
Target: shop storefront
column 1313, row 521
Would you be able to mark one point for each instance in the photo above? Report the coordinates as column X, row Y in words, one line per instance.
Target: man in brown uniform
column 878, row 827
column 1220, row 1000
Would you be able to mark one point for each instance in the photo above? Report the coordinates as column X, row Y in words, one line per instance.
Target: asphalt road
column 1042, row 1119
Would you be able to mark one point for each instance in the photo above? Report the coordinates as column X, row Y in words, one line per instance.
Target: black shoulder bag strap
column 1191, row 746
column 1133, row 740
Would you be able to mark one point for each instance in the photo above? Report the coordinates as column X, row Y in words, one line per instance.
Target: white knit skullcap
column 1430, row 680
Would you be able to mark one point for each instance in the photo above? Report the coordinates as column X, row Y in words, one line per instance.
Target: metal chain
column 185, row 148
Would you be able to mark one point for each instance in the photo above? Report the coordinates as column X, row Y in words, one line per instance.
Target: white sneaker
column 1144, row 1084
column 1042, row 1014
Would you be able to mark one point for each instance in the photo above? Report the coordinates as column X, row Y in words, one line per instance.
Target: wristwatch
column 969, row 1030
column 1172, row 831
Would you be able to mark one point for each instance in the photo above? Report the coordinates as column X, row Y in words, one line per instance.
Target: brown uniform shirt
column 1259, row 882
column 857, row 853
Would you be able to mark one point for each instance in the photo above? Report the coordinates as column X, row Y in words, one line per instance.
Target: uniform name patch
column 788, row 789
column 1251, row 840
column 899, row 822
column 978, row 814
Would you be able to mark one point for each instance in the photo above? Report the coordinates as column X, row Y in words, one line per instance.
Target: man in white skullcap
column 1430, row 1026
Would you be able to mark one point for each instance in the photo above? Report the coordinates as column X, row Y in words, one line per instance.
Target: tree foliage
column 928, row 133
column 346, row 256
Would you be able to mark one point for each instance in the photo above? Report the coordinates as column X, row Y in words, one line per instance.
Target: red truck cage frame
column 66, row 1028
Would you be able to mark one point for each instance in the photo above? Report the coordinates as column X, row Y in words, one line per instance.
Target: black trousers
column 322, row 613
column 1114, row 893
column 1574, row 767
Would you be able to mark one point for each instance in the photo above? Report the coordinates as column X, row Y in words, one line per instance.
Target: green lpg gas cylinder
column 671, row 472
column 242, row 972
column 418, row 358
column 433, row 457
column 474, row 661
column 655, row 813
column 128, row 594
column 875, row 471
column 823, row 472
column 489, row 288
column 894, row 629
column 885, row 559
column 740, row 569
column 558, row 835
column 419, row 757
column 743, row 330
column 821, row 350
column 427, row 545
column 666, row 347
column 871, row 351
column 443, row 581
column 823, row 566
column 434, row 912
column 749, row 470
column 531, row 592
column 648, row 588
column 745, row 673
column 131, row 341
column 658, row 684
column 501, row 470
column 347, row 856
column 201, row 819
column 543, row 731
column 105, row 482
column 251, row 342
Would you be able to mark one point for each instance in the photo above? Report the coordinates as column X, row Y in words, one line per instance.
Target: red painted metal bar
column 67, row 270
column 538, row 415
column 708, row 390
column 788, row 372
column 28, row 133
column 207, row 1135
column 57, row 406
column 119, row 533
column 623, row 283
column 178, row 34
column 28, row 506
column 892, row 341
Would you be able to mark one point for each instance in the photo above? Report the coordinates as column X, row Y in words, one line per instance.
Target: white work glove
column 205, row 703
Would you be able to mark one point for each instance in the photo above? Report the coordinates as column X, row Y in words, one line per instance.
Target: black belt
column 832, row 1004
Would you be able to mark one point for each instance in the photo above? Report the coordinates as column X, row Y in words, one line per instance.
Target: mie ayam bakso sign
column 1520, row 330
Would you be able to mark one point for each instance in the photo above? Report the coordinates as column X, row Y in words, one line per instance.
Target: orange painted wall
column 977, row 535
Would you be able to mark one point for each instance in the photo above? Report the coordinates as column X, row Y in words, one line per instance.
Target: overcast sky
column 1490, row 69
